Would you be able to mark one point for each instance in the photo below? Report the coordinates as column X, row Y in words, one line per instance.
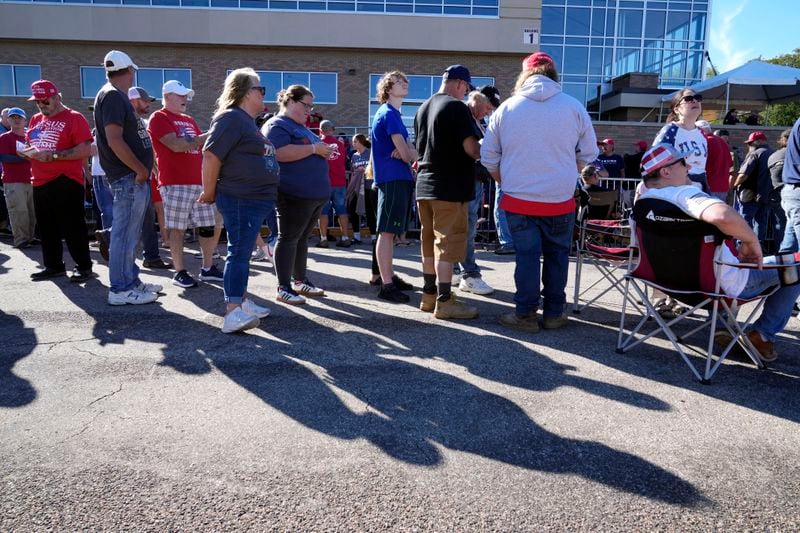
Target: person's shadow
column 364, row 383
column 18, row 343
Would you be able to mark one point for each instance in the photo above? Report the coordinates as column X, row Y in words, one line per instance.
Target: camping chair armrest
column 754, row 266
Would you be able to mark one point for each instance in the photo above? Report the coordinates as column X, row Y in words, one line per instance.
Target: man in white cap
column 126, row 155
column 178, row 142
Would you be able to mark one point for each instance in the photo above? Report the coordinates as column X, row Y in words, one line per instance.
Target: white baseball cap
column 116, row 60
column 176, row 87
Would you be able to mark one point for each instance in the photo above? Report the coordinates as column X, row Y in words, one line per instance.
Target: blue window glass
column 323, row 85
column 627, row 61
column 194, row 3
column 610, row 24
column 271, row 81
column 92, row 78
column 183, row 75
column 456, row 10
column 595, row 61
column 578, row 21
column 553, row 20
column 7, row 87
column 628, row 42
column 653, row 43
column 557, row 53
column 457, row 2
column 674, row 64
column 24, row 75
column 630, row 23
column 314, row 6
column 551, row 39
column 697, row 30
column 107, row 2
column 577, row 40
column 677, row 25
column 254, row 4
column 651, row 60
column 295, row 78
column 631, row 3
column 373, row 84
column 576, row 59
column 694, row 67
column 576, row 90
column 372, row 8
column 282, row 4
column 599, row 3
column 480, row 81
column 657, row 5
column 85, row 2
column 150, row 79
column 598, row 22
column 425, row 9
column 166, row 2
column 484, row 3
column 570, row 78
column 224, row 3
column 596, row 42
column 485, row 11
column 654, row 24
column 398, row 8
column 579, row 2
column 420, row 88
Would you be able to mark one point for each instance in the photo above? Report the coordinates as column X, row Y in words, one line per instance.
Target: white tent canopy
column 755, row 80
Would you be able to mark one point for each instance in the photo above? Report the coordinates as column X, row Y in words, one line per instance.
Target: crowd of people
column 250, row 169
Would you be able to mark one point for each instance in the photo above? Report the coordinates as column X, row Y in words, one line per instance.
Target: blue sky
column 745, row 29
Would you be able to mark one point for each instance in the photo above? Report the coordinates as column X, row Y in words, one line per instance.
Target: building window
column 324, row 85
column 149, row 79
column 15, row 80
column 420, row 88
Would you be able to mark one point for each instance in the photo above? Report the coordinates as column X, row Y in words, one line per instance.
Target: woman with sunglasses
column 304, row 188
column 681, row 132
column 240, row 174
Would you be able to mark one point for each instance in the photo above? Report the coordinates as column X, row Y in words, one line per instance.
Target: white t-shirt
column 693, row 201
column 686, row 141
column 97, row 170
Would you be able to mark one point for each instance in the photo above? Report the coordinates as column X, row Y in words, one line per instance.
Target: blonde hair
column 236, row 86
column 385, row 84
column 545, row 69
column 478, row 97
column 293, row 93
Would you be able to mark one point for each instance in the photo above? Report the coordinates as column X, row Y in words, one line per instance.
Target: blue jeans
column 534, row 237
column 242, row 219
column 500, row 220
column 130, row 202
column 104, row 199
column 149, row 234
column 790, row 201
column 272, row 224
column 469, row 268
column 338, row 201
column 756, row 214
column 778, row 308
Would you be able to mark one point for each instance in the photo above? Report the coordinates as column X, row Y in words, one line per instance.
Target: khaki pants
column 21, row 214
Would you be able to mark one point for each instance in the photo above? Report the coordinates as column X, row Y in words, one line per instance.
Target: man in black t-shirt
column 754, row 184
column 613, row 163
column 126, row 155
column 448, row 148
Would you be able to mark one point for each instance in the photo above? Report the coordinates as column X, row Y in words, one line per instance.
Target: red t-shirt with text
column 14, row 172
column 175, row 168
column 336, row 168
column 62, row 131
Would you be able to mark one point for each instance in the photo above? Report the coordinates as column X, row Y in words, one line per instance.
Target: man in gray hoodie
column 535, row 143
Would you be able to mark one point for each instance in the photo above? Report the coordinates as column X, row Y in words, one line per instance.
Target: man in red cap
column 634, row 161
column 754, row 185
column 59, row 139
column 613, row 163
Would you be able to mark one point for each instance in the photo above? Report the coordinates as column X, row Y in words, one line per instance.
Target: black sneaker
column 184, row 279
column 47, row 273
column 401, row 284
column 391, row 293
column 103, row 238
column 211, row 273
column 156, row 263
column 343, row 243
column 79, row 276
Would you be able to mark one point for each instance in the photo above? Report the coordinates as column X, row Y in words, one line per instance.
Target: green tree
column 784, row 114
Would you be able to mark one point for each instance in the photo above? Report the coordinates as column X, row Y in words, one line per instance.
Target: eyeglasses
column 308, row 107
column 692, row 98
column 42, row 103
column 259, row 88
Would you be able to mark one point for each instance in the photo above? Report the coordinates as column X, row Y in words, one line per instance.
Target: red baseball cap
column 42, row 90
column 607, row 141
column 756, row 136
column 641, row 145
column 535, row 60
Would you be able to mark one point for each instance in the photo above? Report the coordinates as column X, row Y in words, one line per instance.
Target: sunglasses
column 692, row 98
column 42, row 103
column 681, row 161
column 259, row 88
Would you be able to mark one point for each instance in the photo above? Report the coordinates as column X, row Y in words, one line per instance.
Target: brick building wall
column 61, row 61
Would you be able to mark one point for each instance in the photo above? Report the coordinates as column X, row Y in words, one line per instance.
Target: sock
column 444, row 292
column 430, row 283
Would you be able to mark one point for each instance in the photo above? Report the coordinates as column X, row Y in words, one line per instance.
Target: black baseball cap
column 458, row 72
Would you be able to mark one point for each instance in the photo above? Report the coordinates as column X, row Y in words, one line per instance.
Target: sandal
column 664, row 308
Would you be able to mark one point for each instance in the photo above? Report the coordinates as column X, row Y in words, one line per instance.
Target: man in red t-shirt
column 178, row 141
column 337, row 176
column 59, row 139
column 17, row 181
column 718, row 162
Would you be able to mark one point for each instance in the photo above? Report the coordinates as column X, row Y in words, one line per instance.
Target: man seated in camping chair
column 670, row 197
column 602, row 202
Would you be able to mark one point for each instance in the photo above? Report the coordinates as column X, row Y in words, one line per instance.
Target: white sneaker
column 475, row 286
column 269, row 252
column 288, row 296
column 132, row 297
column 239, row 320
column 251, row 308
column 149, row 287
column 259, row 255
column 306, row 288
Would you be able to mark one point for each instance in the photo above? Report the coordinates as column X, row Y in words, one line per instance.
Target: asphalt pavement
column 355, row 414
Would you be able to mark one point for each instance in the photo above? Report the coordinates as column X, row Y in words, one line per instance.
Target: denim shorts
column 338, row 201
